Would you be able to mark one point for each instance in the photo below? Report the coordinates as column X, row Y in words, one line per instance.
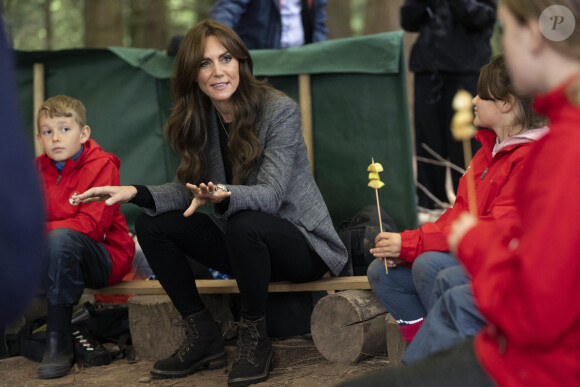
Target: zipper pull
column 58, row 180
column 483, row 174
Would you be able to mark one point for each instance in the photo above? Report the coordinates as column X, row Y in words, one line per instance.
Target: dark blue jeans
column 406, row 292
column 72, row 262
column 453, row 318
column 426, row 269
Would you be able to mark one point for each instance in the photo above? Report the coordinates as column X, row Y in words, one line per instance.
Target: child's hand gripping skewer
column 462, row 129
column 376, row 183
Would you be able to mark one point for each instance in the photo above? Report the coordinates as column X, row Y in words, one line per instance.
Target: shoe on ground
column 254, row 355
column 203, row 347
column 87, row 350
column 58, row 356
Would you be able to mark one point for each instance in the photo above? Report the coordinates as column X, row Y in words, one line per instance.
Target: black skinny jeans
column 256, row 249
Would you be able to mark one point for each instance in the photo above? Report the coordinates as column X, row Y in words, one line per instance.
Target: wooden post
column 306, row 108
column 37, row 100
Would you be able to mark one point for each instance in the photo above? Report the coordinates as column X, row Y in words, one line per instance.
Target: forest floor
column 297, row 364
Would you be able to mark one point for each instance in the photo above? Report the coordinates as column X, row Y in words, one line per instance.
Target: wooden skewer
column 462, row 129
column 471, row 201
column 380, row 221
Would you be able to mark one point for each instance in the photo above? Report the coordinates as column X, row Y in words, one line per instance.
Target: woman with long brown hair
column 242, row 150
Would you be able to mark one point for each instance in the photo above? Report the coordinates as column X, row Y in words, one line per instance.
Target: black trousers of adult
column 455, row 367
column 434, row 93
column 256, row 248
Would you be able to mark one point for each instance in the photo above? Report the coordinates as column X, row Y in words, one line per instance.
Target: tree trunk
column 47, row 25
column 382, row 16
column 338, row 20
column 103, row 23
column 148, row 24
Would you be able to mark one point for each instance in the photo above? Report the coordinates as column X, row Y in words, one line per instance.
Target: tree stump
column 349, row 326
column 157, row 328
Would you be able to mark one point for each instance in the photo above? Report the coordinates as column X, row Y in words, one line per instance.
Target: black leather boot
column 254, row 354
column 58, row 356
column 203, row 348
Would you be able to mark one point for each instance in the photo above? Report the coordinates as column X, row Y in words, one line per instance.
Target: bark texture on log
column 157, row 327
column 349, row 326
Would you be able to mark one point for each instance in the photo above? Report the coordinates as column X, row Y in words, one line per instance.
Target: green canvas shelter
column 359, row 111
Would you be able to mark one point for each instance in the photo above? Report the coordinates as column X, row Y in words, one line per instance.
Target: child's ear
column 508, row 104
column 535, row 38
column 85, row 133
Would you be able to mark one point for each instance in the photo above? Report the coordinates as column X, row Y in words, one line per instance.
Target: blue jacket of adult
column 259, row 24
column 21, row 204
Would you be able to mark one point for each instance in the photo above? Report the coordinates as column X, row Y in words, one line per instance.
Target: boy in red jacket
column 86, row 246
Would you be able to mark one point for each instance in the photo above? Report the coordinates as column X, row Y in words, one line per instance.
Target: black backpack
column 106, row 323
column 358, row 235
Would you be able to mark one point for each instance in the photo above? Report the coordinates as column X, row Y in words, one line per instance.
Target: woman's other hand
column 109, row 194
column 464, row 223
column 203, row 194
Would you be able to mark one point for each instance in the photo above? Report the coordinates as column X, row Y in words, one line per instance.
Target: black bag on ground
column 358, row 235
column 30, row 342
column 110, row 323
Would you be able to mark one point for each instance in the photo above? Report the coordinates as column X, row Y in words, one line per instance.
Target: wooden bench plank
column 230, row 286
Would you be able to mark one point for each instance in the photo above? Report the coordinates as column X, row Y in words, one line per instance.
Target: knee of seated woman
column 247, row 223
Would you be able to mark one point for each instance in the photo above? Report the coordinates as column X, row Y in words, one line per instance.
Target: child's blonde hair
column 64, row 106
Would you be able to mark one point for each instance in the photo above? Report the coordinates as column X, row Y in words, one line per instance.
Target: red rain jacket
column 100, row 222
column 495, row 180
column 527, row 281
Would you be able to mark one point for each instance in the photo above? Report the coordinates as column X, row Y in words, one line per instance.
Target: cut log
column 349, row 326
column 396, row 346
column 157, row 327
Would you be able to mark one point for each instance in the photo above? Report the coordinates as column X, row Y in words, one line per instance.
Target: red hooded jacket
column 527, row 280
column 495, row 180
column 100, row 222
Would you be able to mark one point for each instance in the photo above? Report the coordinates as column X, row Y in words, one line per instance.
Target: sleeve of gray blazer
column 168, row 197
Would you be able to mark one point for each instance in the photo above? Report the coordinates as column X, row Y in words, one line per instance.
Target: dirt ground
column 297, row 364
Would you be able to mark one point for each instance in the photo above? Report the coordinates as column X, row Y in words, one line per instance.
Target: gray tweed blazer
column 282, row 184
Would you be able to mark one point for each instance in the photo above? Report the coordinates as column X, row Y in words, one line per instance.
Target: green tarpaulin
column 359, row 111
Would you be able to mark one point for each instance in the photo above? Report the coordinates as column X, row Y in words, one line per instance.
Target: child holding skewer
column 525, row 278
column 417, row 257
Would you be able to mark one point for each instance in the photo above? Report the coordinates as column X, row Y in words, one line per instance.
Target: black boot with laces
column 254, row 354
column 203, row 348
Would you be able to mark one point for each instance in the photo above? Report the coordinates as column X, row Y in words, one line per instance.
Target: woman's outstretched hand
column 458, row 229
column 109, row 194
column 203, row 194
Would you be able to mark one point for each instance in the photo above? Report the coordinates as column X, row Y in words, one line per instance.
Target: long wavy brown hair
column 187, row 127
